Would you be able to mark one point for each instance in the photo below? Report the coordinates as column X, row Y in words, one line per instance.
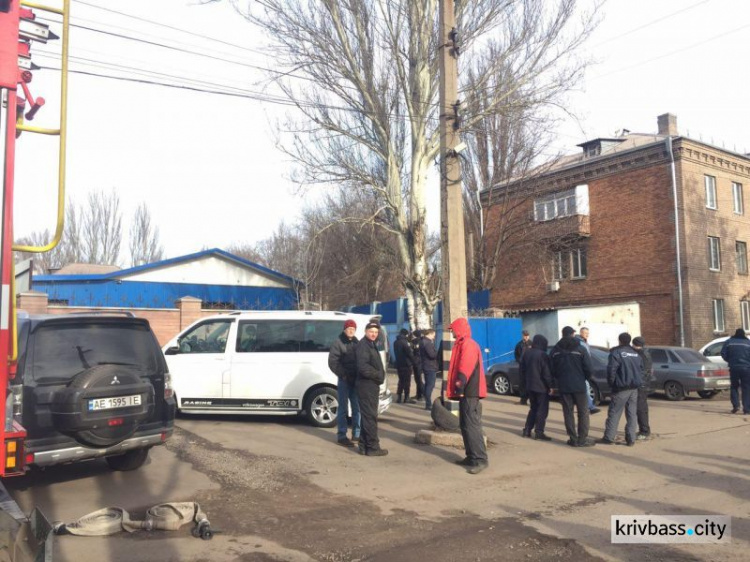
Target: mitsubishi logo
column 115, row 380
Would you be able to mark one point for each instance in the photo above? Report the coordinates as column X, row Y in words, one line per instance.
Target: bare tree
column 370, row 118
column 101, row 227
column 144, row 238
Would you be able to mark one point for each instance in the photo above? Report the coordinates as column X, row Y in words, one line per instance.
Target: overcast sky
column 206, row 163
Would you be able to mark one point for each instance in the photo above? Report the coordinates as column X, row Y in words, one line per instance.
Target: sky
column 207, row 165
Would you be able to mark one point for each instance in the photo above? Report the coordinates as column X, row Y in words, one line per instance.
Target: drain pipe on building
column 677, row 241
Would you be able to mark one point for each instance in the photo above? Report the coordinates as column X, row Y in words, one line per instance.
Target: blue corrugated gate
column 497, row 337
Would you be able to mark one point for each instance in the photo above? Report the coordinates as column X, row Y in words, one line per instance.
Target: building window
column 745, row 314
column 741, row 249
column 578, row 263
column 714, row 254
column 738, row 201
column 710, row 192
column 718, row 315
column 558, row 266
column 564, row 204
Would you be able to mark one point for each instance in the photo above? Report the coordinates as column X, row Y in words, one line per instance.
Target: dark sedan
column 503, row 378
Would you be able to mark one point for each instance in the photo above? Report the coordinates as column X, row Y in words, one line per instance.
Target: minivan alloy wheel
column 322, row 407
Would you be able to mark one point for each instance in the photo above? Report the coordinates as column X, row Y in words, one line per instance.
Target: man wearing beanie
column 736, row 352
column 644, row 429
column 342, row 360
column 370, row 375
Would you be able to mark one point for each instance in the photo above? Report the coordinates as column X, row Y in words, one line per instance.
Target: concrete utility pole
column 451, row 197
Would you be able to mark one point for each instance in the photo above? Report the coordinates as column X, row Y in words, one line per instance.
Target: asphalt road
column 280, row 490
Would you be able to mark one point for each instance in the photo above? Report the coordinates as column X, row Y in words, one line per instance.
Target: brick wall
column 630, row 251
column 166, row 323
column 702, row 285
column 631, row 247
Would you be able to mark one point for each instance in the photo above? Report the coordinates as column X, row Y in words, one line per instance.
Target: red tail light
column 713, row 373
column 115, row 421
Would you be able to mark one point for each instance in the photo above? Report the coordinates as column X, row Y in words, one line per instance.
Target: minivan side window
column 320, row 335
column 208, row 337
column 287, row 336
column 278, row 336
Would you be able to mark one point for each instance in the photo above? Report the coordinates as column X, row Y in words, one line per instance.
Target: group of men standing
column 568, row 367
column 360, row 372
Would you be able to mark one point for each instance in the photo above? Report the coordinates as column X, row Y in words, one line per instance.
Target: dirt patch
column 273, row 499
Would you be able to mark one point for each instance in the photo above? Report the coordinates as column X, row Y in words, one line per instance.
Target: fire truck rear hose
column 163, row 517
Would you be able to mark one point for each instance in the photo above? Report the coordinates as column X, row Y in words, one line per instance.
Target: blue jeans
column 347, row 393
column 429, row 386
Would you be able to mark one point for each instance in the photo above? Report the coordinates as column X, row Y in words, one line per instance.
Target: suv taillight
column 16, row 396
column 168, row 391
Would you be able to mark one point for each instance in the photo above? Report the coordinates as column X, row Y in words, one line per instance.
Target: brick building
column 599, row 228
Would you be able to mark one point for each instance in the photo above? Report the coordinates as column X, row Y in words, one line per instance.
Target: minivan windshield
column 61, row 351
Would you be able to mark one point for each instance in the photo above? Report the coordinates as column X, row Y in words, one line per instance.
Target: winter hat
column 372, row 325
column 568, row 331
column 639, row 342
column 350, row 324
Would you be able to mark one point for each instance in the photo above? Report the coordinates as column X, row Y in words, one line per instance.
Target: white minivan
column 263, row 362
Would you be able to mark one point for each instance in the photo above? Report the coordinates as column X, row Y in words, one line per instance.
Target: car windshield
column 61, row 351
column 690, row 356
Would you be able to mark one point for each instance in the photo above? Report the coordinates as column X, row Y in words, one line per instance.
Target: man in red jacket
column 466, row 383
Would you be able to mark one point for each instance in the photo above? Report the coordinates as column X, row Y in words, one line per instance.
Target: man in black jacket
column 644, row 429
column 370, row 375
column 536, row 374
column 571, row 368
column 624, row 370
column 416, row 344
column 342, row 360
column 404, row 365
column 518, row 352
column 429, row 356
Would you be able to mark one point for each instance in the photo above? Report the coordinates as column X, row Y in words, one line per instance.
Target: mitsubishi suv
column 91, row 385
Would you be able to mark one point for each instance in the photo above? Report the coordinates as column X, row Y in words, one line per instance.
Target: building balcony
column 576, row 226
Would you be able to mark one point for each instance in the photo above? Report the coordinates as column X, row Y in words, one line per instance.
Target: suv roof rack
column 103, row 313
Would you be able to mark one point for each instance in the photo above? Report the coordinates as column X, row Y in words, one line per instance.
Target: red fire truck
column 20, row 28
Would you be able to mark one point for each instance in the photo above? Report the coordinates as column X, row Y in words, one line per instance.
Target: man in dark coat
column 370, row 375
column 644, row 429
column 416, row 344
column 624, row 369
column 342, row 360
column 736, row 352
column 571, row 368
column 404, row 365
column 430, row 367
column 518, row 352
column 536, row 374
column 466, row 383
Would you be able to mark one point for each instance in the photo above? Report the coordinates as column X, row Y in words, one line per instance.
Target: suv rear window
column 61, row 351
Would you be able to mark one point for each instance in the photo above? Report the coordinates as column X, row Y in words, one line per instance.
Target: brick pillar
column 190, row 310
column 32, row 302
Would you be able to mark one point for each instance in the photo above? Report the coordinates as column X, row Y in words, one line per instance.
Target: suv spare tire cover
column 74, row 413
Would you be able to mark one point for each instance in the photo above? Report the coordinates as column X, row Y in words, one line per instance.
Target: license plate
column 113, row 403
column 723, row 382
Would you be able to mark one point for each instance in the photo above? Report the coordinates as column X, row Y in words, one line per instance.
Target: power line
column 173, row 28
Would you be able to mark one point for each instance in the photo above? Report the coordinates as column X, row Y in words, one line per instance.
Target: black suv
column 91, row 385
